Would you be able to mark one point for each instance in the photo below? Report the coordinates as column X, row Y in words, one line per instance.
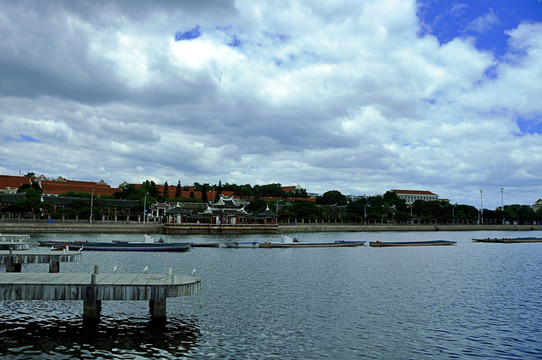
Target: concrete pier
column 95, row 288
column 13, row 260
column 14, row 245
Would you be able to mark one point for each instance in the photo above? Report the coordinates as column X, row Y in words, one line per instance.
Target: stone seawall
column 138, row 228
column 114, row 228
column 376, row 228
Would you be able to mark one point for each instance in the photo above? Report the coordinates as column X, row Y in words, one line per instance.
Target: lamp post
column 481, row 208
column 502, row 205
column 145, row 207
column 453, row 214
column 91, row 205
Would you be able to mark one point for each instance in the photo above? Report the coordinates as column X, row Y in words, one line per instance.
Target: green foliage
column 166, row 190
column 256, row 206
column 332, row 197
column 298, row 193
column 78, row 194
column 305, row 209
column 178, row 190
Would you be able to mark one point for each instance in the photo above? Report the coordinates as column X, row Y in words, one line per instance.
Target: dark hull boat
column 213, row 245
column 510, row 240
column 242, row 244
column 121, row 246
column 412, row 243
column 270, row 245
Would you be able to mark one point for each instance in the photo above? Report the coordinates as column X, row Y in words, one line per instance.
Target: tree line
column 332, row 206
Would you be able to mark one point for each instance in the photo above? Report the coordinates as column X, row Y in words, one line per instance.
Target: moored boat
column 192, row 244
column 509, row 240
column 121, row 246
column 411, row 243
column 270, row 245
column 242, row 244
column 289, row 242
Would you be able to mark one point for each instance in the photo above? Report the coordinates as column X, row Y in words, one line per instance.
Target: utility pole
column 481, row 208
column 145, row 207
column 502, row 205
column 91, row 205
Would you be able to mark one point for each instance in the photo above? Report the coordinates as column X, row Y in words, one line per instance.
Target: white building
column 410, row 196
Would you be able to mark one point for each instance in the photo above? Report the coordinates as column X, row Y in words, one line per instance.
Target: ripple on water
column 465, row 301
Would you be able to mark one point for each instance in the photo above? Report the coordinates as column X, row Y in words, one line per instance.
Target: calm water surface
column 471, row 300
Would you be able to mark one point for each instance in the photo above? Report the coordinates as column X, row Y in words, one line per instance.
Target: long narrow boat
column 121, row 246
column 510, row 240
column 340, row 243
column 192, row 244
column 242, row 244
column 412, row 243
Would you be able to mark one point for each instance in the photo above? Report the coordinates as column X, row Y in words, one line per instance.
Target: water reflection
column 24, row 336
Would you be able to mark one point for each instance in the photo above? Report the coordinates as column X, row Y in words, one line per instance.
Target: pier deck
column 94, row 288
column 14, row 245
column 13, row 260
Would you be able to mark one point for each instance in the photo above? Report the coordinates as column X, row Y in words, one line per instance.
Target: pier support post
column 91, row 306
column 157, row 304
column 157, row 309
column 12, row 263
column 13, row 267
column 54, row 266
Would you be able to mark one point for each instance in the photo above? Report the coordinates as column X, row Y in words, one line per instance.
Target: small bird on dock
column 115, row 267
column 194, row 272
column 146, row 269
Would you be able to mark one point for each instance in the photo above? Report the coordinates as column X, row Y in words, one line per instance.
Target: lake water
column 471, row 300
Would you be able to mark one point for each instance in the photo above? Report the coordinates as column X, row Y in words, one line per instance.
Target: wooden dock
column 14, row 245
column 95, row 288
column 13, row 260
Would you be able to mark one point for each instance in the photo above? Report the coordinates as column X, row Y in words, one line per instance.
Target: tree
column 204, row 193
column 305, row 209
column 256, row 206
column 298, row 193
column 392, row 199
column 166, row 190
column 332, row 197
column 219, row 191
column 178, row 190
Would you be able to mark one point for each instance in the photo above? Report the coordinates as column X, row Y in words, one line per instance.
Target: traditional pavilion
column 177, row 215
column 226, row 211
column 268, row 216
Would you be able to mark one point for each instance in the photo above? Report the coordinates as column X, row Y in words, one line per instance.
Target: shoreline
column 137, row 228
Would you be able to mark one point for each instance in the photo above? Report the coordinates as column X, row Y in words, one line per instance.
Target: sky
column 355, row 96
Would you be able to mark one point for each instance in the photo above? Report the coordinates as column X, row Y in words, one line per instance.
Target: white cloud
column 484, row 22
column 332, row 95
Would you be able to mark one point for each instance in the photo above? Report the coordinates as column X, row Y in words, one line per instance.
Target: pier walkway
column 95, row 288
column 13, row 260
column 11, row 245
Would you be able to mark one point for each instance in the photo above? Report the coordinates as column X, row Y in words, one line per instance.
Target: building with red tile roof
column 410, row 196
column 10, row 184
column 62, row 186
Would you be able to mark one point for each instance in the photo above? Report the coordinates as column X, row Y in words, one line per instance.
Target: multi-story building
column 410, row 196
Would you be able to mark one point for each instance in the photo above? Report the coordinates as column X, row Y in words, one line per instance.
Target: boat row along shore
column 149, row 244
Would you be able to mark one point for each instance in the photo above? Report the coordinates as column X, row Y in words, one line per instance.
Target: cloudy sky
column 348, row 95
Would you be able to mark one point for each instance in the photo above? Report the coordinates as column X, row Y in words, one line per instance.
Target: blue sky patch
column 274, row 36
column 235, row 42
column 529, row 126
column 188, row 35
column 485, row 21
column 28, row 138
